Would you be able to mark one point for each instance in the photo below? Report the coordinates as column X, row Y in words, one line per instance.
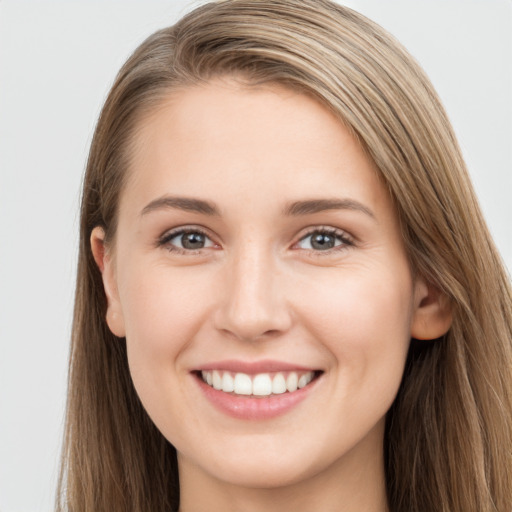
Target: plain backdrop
column 57, row 61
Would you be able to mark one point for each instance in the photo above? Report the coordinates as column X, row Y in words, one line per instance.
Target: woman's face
column 258, row 250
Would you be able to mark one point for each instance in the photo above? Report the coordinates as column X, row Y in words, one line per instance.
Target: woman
column 287, row 297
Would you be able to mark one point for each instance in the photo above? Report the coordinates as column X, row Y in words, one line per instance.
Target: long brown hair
column 448, row 442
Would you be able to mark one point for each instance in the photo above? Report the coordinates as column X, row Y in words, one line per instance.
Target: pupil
column 322, row 241
column 192, row 240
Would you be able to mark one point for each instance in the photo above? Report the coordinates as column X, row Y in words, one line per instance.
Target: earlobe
column 432, row 317
column 103, row 259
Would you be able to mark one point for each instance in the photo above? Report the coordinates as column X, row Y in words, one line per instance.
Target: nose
column 253, row 303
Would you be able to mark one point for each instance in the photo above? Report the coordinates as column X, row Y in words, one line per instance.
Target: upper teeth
column 262, row 384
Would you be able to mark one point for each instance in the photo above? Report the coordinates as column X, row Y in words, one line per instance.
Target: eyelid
column 347, row 239
column 167, row 236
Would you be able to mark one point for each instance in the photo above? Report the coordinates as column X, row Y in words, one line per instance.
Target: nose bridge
column 254, row 304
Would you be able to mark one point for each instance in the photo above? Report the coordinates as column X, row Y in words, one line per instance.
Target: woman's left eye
column 186, row 240
column 324, row 240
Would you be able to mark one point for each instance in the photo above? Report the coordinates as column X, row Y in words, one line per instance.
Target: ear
column 432, row 317
column 104, row 260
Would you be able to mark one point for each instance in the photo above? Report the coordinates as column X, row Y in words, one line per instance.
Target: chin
column 268, row 474
column 260, row 463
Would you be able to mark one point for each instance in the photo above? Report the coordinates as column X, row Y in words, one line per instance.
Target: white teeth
column 216, row 380
column 278, row 384
column 227, row 383
column 207, row 377
column 291, row 382
column 305, row 380
column 263, row 384
column 243, row 384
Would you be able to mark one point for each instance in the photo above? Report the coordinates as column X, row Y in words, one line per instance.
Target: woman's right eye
column 186, row 240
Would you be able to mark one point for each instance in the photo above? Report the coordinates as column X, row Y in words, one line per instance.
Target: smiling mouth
column 260, row 385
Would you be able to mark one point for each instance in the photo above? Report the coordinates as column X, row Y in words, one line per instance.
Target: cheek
column 163, row 309
column 364, row 322
column 359, row 301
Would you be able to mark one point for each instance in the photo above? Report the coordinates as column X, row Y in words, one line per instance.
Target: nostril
column 253, row 323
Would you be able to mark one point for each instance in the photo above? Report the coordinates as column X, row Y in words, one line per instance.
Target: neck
column 352, row 483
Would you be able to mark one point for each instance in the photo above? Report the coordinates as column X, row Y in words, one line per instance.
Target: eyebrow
column 296, row 208
column 320, row 205
column 188, row 204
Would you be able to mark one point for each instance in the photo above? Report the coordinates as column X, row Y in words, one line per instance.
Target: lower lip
column 254, row 408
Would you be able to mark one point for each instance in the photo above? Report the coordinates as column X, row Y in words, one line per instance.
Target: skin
column 259, row 290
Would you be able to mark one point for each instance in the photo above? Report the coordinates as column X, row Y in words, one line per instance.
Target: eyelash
column 165, row 239
column 346, row 240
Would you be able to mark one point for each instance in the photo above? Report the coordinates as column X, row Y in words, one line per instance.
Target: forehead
column 225, row 138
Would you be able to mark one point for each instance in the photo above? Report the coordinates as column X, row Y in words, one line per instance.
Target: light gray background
column 57, row 61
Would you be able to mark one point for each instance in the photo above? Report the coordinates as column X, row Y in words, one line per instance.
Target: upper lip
column 253, row 367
